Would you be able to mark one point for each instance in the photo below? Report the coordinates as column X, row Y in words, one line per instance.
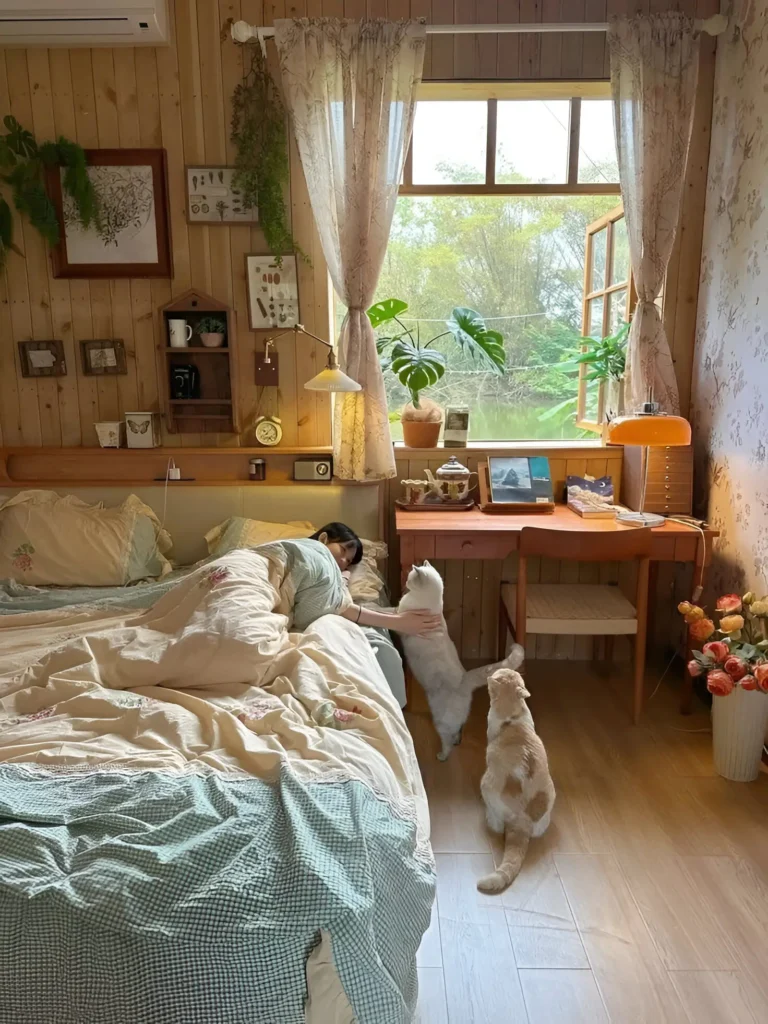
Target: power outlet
column 267, row 374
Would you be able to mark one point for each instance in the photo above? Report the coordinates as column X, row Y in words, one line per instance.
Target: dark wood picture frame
column 154, row 158
column 98, row 345
column 57, row 369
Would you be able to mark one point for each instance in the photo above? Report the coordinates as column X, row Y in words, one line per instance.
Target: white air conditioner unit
column 83, row 23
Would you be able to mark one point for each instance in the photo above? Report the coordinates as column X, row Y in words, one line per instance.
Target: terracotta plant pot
column 421, row 433
column 212, row 340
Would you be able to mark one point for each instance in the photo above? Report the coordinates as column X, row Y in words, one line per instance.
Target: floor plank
column 631, row 978
column 562, row 996
column 714, row 997
column 432, row 1008
column 481, row 981
column 540, row 921
column 430, row 952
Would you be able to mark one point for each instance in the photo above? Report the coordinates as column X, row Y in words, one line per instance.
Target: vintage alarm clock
column 269, row 430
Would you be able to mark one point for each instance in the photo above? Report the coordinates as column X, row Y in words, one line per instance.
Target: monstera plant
column 419, row 365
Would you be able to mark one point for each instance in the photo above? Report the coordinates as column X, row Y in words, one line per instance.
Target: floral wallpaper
column 730, row 376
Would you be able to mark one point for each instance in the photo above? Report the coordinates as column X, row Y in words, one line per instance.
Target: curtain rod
column 714, row 26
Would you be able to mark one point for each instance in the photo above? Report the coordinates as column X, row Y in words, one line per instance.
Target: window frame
column 606, row 222
column 491, row 93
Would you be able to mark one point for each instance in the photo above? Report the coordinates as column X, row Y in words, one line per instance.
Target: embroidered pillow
column 238, row 532
column 48, row 540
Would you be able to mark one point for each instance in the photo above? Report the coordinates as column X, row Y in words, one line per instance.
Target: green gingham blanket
column 188, row 796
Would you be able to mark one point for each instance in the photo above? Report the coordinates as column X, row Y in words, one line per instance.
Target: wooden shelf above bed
column 136, row 467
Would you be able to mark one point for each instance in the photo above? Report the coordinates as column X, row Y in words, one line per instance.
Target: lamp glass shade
column 332, row 379
column 650, row 430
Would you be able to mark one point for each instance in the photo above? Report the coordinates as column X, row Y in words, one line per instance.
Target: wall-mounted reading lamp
column 329, row 379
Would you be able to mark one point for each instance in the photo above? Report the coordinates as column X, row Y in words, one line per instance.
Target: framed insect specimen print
column 213, row 198
column 273, row 291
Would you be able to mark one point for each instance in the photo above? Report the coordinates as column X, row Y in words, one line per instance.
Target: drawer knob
column 466, row 545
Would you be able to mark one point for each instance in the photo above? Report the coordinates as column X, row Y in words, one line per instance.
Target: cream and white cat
column 517, row 787
column 434, row 661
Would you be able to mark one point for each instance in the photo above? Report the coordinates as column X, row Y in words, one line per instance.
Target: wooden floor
column 646, row 901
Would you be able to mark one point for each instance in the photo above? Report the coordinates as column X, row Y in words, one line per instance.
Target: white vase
column 738, row 733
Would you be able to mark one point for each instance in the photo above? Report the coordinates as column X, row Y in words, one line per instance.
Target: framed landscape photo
column 273, row 291
column 103, row 357
column 213, row 198
column 513, row 484
column 133, row 238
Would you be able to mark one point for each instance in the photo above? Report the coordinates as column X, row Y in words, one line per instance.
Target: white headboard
column 189, row 512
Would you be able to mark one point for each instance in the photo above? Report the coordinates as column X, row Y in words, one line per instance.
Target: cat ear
column 425, row 564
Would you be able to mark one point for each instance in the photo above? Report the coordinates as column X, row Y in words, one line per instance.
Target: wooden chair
column 583, row 609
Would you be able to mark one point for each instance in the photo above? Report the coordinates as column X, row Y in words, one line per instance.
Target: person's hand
column 417, row 623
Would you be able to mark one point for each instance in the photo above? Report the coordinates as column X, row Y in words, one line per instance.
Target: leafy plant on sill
column 605, row 359
column 211, row 325
column 419, row 366
column 23, row 163
column 261, row 164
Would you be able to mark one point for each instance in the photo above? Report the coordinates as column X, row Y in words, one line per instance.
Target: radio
column 318, row 470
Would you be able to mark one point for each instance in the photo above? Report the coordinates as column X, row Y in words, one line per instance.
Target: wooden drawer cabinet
column 476, row 545
column 669, row 485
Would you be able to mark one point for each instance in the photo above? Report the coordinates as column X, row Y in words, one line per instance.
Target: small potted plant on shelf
column 419, row 366
column 211, row 330
column 734, row 659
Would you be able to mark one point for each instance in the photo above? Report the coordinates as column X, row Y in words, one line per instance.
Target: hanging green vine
column 258, row 132
column 22, row 168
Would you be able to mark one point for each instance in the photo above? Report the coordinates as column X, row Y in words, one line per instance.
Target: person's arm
column 415, row 623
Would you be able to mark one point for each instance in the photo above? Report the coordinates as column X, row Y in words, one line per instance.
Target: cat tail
column 515, row 848
column 477, row 677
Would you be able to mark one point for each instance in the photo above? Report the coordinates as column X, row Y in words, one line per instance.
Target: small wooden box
column 669, row 486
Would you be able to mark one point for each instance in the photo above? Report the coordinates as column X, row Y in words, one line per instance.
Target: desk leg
column 653, row 597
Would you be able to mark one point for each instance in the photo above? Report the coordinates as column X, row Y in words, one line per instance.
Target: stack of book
column 592, row 499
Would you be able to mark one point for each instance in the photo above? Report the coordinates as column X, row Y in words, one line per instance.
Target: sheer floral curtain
column 350, row 89
column 654, row 69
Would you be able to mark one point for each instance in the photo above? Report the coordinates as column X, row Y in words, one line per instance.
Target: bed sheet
column 192, row 796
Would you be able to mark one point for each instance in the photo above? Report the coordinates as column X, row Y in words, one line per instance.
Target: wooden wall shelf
column 58, row 468
column 217, row 377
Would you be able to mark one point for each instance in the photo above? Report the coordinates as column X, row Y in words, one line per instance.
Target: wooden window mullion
column 490, row 144
column 574, row 131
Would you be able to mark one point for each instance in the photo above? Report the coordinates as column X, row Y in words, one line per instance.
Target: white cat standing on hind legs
column 435, row 662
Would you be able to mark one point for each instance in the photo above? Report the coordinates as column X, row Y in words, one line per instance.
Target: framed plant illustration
column 103, row 358
column 132, row 238
column 213, row 198
column 273, row 291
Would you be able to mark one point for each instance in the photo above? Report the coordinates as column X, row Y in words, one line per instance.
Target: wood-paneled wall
column 179, row 97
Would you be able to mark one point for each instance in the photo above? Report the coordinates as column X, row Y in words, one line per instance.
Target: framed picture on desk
column 516, row 484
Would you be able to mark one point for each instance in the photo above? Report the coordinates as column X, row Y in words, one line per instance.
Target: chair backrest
column 620, row 545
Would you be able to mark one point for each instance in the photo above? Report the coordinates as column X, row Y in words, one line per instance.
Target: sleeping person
column 315, row 565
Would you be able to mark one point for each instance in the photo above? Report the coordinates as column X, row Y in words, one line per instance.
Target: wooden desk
column 475, row 534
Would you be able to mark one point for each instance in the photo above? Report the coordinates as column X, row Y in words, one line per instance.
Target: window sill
column 519, row 447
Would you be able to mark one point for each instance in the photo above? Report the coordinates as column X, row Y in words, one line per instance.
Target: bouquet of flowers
column 740, row 656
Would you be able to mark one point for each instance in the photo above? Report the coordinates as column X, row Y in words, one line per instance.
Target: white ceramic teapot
column 455, row 479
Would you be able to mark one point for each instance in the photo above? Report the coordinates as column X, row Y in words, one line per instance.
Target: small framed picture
column 273, row 291
column 520, row 480
column 213, row 198
column 103, row 357
column 42, row 359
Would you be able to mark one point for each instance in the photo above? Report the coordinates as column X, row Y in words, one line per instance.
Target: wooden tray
column 436, row 506
column 507, row 507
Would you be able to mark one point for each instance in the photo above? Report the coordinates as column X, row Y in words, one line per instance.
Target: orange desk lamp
column 649, row 428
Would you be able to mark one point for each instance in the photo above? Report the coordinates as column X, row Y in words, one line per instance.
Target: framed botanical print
column 133, row 236
column 213, row 198
column 273, row 291
column 103, row 357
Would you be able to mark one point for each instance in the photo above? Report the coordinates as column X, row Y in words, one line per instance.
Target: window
column 497, row 194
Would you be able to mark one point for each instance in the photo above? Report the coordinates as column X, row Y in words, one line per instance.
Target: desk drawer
column 478, row 545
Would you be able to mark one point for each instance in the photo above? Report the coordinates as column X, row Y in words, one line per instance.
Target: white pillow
column 47, row 540
column 249, row 533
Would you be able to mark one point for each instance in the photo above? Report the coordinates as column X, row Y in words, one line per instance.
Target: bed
column 203, row 816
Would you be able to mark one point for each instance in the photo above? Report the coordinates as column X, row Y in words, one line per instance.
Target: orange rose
column 719, row 683
column 761, row 675
column 729, row 603
column 748, row 683
column 732, row 623
column 735, row 667
column 701, row 630
column 716, row 650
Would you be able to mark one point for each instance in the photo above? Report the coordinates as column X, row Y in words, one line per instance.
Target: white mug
column 180, row 333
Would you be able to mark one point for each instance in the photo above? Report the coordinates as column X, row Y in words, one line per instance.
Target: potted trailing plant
column 23, row 163
column 261, row 161
column 211, row 331
column 734, row 660
column 419, row 366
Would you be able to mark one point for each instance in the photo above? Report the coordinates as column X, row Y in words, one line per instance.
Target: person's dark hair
column 340, row 533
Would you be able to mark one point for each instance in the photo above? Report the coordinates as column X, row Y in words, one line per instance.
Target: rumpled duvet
column 190, row 798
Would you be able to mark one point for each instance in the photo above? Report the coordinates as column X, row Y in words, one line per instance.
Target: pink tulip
column 719, row 683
